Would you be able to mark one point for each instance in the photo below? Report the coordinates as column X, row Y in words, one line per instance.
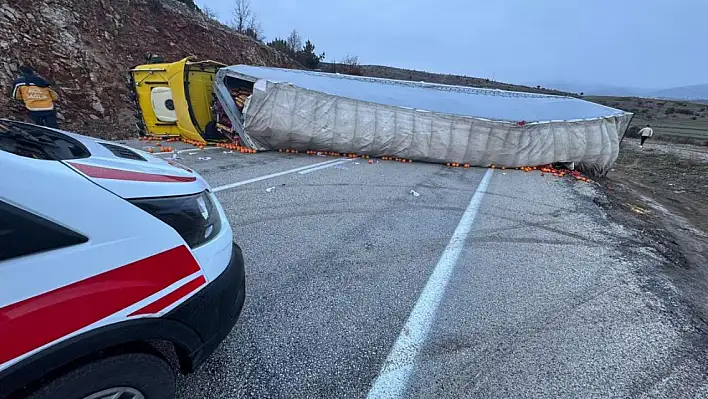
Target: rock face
column 86, row 46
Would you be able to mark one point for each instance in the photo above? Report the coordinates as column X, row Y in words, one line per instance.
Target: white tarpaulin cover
column 421, row 121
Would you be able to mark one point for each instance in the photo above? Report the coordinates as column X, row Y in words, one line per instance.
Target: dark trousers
column 644, row 138
column 44, row 118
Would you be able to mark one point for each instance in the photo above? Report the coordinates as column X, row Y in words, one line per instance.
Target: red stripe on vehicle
column 100, row 172
column 44, row 318
column 171, row 298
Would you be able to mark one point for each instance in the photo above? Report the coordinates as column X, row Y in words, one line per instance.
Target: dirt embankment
column 86, row 46
column 661, row 191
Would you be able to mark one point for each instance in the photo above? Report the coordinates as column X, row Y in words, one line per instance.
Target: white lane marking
column 197, row 149
column 272, row 175
column 186, row 150
column 304, row 172
column 392, row 381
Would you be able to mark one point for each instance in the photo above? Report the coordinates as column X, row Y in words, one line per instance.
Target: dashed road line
column 192, row 150
column 277, row 174
column 304, row 172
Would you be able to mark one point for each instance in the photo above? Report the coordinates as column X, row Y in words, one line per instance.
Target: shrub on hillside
column 210, row 13
column 685, row 111
column 304, row 53
column 632, row 132
column 350, row 65
column 670, row 110
column 190, row 4
column 155, row 6
column 280, row 45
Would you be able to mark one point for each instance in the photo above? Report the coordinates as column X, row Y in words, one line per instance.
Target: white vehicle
column 107, row 256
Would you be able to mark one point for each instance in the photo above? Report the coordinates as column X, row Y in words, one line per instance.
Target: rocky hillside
column 86, row 46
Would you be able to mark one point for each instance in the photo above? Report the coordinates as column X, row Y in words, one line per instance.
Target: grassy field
column 671, row 120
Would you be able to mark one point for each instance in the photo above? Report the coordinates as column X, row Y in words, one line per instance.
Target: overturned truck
column 271, row 108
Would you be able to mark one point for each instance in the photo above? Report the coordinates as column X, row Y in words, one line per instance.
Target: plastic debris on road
column 204, row 158
column 638, row 209
column 270, row 189
column 415, row 193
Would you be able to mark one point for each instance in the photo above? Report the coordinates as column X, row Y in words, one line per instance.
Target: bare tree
column 242, row 15
column 350, row 65
column 255, row 29
column 210, row 12
column 245, row 21
column 294, row 42
column 350, row 60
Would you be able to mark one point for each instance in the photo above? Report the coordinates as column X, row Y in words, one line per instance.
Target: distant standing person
column 645, row 133
column 38, row 97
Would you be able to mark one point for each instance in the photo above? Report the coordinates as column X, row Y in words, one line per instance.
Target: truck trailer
column 266, row 108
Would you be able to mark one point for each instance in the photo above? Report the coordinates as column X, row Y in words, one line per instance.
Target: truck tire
column 135, row 375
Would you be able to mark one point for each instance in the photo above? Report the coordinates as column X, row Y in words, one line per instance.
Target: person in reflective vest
column 38, row 97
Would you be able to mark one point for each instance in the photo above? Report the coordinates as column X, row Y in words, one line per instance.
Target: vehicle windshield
column 39, row 143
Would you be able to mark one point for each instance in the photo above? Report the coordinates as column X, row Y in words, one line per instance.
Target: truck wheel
column 126, row 376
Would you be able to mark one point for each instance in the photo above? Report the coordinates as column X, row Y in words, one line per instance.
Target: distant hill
column 596, row 89
column 694, row 92
column 386, row 72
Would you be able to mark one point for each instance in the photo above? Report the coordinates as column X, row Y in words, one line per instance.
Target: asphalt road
column 537, row 296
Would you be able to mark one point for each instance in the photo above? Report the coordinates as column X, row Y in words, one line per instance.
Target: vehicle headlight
column 195, row 217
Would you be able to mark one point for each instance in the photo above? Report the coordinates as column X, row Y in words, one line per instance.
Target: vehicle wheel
column 127, row 376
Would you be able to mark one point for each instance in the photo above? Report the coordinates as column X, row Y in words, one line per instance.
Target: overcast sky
column 639, row 43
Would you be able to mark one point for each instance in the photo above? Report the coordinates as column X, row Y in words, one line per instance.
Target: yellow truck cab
column 175, row 99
